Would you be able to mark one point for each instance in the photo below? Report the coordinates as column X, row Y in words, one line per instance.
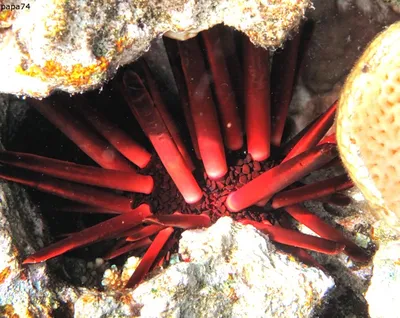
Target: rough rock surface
column 24, row 291
column 76, row 45
column 383, row 293
column 345, row 28
column 228, row 270
column 18, row 294
column 342, row 29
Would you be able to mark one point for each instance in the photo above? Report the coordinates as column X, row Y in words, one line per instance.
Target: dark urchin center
column 166, row 199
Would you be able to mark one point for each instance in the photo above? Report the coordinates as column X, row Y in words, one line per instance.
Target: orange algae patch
column 4, row 274
column 76, row 75
column 6, row 15
column 120, row 44
column 8, row 311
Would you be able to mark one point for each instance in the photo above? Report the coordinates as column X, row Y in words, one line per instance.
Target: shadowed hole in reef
column 36, row 135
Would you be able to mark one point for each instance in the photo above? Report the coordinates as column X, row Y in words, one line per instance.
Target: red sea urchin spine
column 68, row 190
column 314, row 133
column 82, row 208
column 326, row 231
column 171, row 47
column 297, row 239
column 233, row 63
column 120, row 243
column 142, row 232
column 336, row 199
column 183, row 221
column 149, row 257
column 257, row 101
column 101, row 231
column 165, row 253
column 285, row 149
column 106, row 178
column 309, row 137
column 313, row 191
column 224, row 90
column 300, row 253
column 203, row 109
column 283, row 72
column 129, row 148
column 152, row 124
column 128, row 248
column 330, row 139
column 88, row 141
column 303, row 256
column 279, row 177
column 169, row 122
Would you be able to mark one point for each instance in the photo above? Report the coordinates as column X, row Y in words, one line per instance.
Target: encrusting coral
column 368, row 124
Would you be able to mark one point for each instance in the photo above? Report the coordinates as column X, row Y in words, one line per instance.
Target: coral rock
column 77, row 45
column 228, row 270
column 383, row 293
column 368, row 129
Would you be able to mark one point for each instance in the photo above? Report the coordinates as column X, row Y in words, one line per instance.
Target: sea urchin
column 232, row 171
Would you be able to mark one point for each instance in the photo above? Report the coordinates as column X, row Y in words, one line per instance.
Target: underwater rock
column 383, row 293
column 25, row 291
column 77, row 45
column 343, row 29
column 229, row 270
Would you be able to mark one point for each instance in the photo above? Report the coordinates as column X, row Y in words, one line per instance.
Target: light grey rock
column 383, row 294
column 20, row 288
column 341, row 31
column 228, row 270
column 77, row 45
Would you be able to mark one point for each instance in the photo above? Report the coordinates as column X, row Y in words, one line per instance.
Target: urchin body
column 138, row 225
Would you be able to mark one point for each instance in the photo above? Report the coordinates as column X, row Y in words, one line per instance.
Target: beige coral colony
column 368, row 125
